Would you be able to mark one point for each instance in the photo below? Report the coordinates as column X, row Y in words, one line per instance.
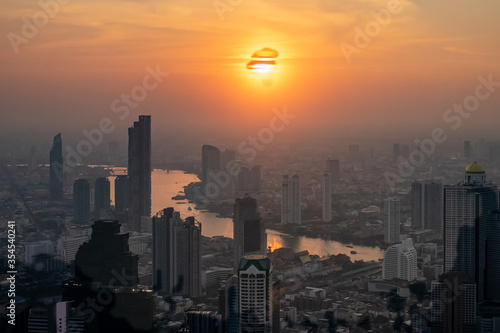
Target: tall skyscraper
column 188, row 257
column 164, row 268
column 249, row 233
column 467, row 149
column 427, row 205
column 400, row 262
column 210, row 164
column 255, row 294
column 333, row 167
column 176, row 254
column 122, row 193
column 327, row 197
column 102, row 199
column 56, row 169
column 290, row 200
column 81, row 200
column 228, row 304
column 468, row 218
column 392, row 220
column 139, row 171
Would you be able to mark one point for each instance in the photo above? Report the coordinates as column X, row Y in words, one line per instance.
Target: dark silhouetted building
column 139, row 171
column 188, row 257
column 290, row 200
column 102, row 198
column 56, row 169
column 122, row 193
column 203, row 322
column 427, row 205
column 81, row 200
column 249, row 233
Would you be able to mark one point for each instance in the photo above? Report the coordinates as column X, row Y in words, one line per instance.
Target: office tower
column 327, row 197
column 81, row 200
column 255, row 294
column 333, row 167
column 102, row 199
column 228, row 304
column 427, row 205
column 31, row 250
column 493, row 260
column 400, row 262
column 290, row 200
column 468, row 218
column 106, row 252
column 203, row 322
column 396, row 152
column 122, row 193
column 249, row 233
column 56, row 169
column 139, row 171
column 454, row 303
column 467, row 149
column 164, row 268
column 210, row 164
column 392, row 220
column 188, row 257
column 59, row 317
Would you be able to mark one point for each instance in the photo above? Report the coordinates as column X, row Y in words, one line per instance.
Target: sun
column 263, row 62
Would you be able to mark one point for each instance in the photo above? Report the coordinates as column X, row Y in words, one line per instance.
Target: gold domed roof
column 475, row 168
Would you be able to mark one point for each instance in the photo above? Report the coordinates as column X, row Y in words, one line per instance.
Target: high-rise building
column 467, row 149
column 392, row 220
column 228, row 304
column 333, row 167
column 164, row 268
column 203, row 322
column 255, row 294
column 468, row 218
column 188, row 257
column 56, row 169
column 102, row 199
column 59, row 317
column 290, row 200
column 326, row 187
column 400, row 261
column 210, row 163
column 122, row 193
column 67, row 247
column 139, row 171
column 81, row 200
column 427, row 205
column 176, row 254
column 249, row 233
column 31, row 250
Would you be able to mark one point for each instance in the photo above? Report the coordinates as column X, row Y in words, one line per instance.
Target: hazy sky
column 419, row 62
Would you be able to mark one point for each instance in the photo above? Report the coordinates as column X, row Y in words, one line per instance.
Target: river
column 165, row 185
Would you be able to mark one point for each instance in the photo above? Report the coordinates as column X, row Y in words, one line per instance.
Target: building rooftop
column 475, row 168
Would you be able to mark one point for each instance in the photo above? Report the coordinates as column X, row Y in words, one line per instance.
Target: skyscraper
column 139, row 171
column 249, row 233
column 290, row 200
column 56, row 169
column 122, row 193
column 102, row 199
column 188, row 257
column 255, row 294
column 400, row 262
column 81, row 200
column 468, row 218
column 427, row 205
column 327, row 197
column 210, row 164
column 392, row 220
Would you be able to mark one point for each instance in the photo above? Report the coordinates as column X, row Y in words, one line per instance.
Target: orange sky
column 425, row 59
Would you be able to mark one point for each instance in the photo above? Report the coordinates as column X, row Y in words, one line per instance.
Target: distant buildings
column 290, row 200
column 176, row 254
column 400, row 262
column 210, row 164
column 56, row 169
column 31, row 250
column 122, row 193
column 102, row 199
column 249, row 179
column 392, row 220
column 139, row 171
column 81, row 200
column 427, row 205
column 255, row 294
column 326, row 187
column 249, row 233
column 67, row 247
